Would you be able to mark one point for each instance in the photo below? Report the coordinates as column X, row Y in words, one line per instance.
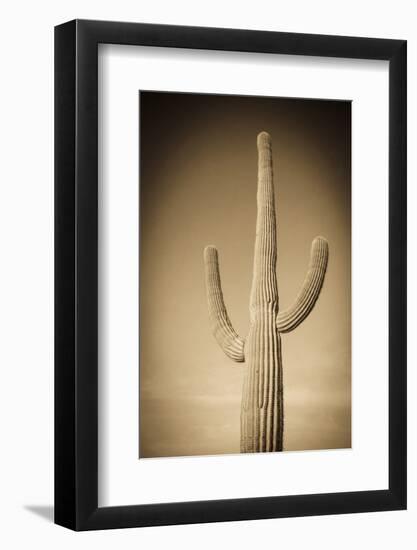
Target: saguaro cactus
column 262, row 409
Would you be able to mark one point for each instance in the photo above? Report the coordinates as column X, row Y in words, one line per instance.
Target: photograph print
column 245, row 274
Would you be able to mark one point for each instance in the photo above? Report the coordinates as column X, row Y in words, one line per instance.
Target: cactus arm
column 290, row 318
column 222, row 328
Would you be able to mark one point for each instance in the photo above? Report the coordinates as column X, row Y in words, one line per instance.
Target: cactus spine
column 262, row 410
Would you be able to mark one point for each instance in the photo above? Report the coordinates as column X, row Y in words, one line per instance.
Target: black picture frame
column 76, row 272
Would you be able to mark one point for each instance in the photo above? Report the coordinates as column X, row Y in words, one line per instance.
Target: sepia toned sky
column 198, row 179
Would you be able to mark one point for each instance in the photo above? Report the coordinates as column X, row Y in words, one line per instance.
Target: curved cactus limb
column 290, row 318
column 222, row 328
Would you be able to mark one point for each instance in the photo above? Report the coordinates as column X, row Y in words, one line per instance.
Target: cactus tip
column 210, row 251
column 264, row 140
column 320, row 239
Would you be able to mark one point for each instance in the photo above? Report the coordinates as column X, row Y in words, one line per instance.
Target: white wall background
column 26, row 285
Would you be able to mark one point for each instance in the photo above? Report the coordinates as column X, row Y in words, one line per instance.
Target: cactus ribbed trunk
column 264, row 282
column 262, row 400
column 262, row 409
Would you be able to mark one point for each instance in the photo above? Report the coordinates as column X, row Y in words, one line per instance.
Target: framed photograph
column 230, row 255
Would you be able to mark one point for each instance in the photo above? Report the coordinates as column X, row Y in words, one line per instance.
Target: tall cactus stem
column 264, row 283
